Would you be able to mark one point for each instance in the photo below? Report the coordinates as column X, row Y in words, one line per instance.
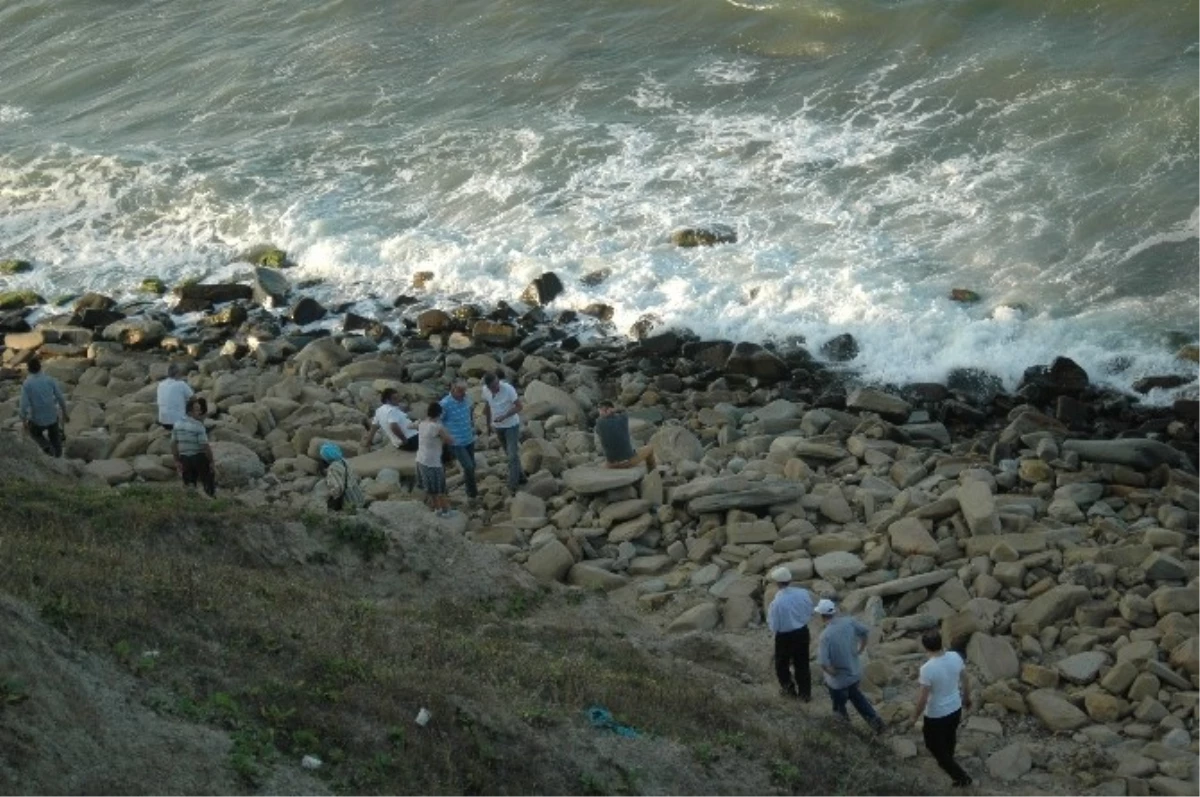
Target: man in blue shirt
column 41, row 399
column 457, row 418
column 843, row 639
column 788, row 617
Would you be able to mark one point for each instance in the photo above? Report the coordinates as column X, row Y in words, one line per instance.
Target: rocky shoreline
column 1052, row 531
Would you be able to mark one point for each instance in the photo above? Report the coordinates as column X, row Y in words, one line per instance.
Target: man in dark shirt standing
column 613, row 430
column 40, row 403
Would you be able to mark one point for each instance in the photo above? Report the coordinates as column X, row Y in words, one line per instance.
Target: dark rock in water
column 372, row 329
column 1042, row 384
column 267, row 256
column 660, row 345
column 840, row 349
column 14, row 321
column 270, row 288
column 422, row 279
column 567, row 317
column 1190, row 353
column 533, row 318
column 12, row 300
column 597, row 310
column 153, row 285
column 833, row 397
column 974, row 385
column 434, row 321
column 230, row 316
column 404, row 300
column 492, row 333
column 1074, row 413
column 797, row 356
column 954, row 411
column 924, row 393
column 704, row 236
column 1148, row 383
column 543, row 290
column 963, row 295
column 669, row 383
column 95, row 318
column 709, row 353
column 569, row 343
column 195, row 305
column 94, row 301
column 594, row 278
column 1186, row 409
column 641, row 328
column 504, row 311
column 750, row 359
column 306, row 311
column 216, row 292
column 8, row 267
column 534, row 341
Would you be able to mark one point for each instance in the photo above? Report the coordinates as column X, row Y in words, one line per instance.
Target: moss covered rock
column 964, row 295
column 15, row 266
column 268, row 256
column 12, row 300
column 153, row 285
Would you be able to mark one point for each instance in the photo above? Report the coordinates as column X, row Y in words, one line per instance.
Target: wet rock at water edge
column 842, row 348
column 704, row 236
column 543, row 290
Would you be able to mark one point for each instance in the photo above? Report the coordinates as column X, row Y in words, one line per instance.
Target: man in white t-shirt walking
column 945, row 691
column 398, row 429
column 173, row 394
column 501, row 405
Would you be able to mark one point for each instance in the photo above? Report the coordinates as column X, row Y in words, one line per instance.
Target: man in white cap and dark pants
column 788, row 617
column 843, row 639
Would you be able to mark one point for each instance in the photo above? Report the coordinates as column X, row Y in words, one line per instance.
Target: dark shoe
column 878, row 725
column 962, row 784
column 787, row 691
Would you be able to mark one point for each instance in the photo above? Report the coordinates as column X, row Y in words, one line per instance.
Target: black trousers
column 196, row 468
column 791, row 654
column 941, row 734
column 48, row 437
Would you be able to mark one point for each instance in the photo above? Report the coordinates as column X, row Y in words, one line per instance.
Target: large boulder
column 369, row 464
column 136, row 333
column 1135, row 452
column 235, row 464
column 887, row 406
column 1055, row 712
column 1056, row 603
column 551, row 562
column 561, row 402
column 590, row 480
column 675, row 444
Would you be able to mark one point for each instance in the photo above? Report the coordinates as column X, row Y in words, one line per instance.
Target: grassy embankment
column 298, row 660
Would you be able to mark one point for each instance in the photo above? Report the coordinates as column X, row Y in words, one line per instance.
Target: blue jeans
column 510, row 438
column 855, row 696
column 466, row 460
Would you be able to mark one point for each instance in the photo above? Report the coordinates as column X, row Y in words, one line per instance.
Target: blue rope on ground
column 603, row 718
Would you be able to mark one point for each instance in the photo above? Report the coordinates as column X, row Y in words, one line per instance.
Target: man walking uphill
column 788, row 617
column 41, row 399
column 843, row 639
column 456, row 417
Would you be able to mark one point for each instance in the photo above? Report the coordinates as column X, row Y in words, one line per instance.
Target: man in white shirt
column 398, row 429
column 788, row 617
column 945, row 691
column 501, row 405
column 173, row 394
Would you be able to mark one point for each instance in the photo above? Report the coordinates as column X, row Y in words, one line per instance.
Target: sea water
column 870, row 156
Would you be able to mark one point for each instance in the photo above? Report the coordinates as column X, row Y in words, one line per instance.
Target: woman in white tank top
column 945, row 691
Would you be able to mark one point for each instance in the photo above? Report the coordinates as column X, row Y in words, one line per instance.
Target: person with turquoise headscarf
column 340, row 479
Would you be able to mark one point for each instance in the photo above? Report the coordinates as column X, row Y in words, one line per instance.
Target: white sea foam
column 11, row 113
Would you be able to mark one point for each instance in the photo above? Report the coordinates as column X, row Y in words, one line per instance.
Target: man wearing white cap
column 843, row 639
column 788, row 618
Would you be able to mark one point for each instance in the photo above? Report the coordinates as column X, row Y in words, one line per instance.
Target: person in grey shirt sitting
column 612, row 427
column 41, row 399
column 843, row 639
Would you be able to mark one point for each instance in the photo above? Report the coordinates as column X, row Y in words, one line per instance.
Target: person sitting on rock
column 189, row 445
column 838, row 649
column 788, row 617
column 340, row 479
column 41, row 400
column 612, row 427
column 172, row 396
column 398, row 429
column 430, row 473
